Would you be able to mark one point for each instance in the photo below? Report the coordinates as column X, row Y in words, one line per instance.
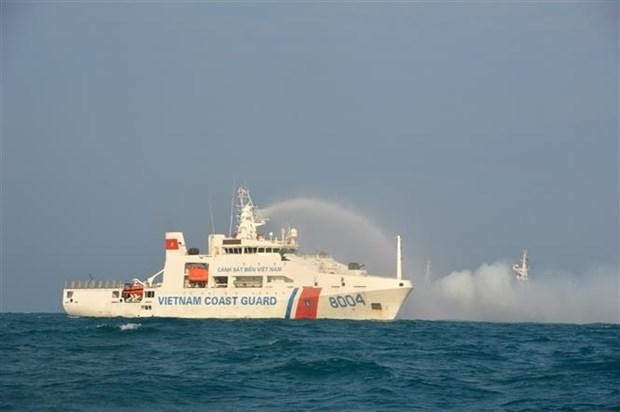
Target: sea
column 58, row 363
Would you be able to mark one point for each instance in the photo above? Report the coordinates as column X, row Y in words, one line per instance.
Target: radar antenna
column 247, row 218
column 521, row 270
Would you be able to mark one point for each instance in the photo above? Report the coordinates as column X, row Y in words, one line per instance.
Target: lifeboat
column 133, row 290
column 198, row 274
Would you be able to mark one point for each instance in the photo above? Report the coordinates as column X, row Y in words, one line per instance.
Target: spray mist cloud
column 489, row 293
column 492, row 293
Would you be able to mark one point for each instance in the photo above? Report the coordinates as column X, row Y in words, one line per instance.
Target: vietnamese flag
column 172, row 244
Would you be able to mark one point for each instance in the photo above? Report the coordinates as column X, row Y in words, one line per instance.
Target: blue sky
column 475, row 129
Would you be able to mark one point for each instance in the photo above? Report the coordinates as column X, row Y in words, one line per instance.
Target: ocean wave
column 59, row 363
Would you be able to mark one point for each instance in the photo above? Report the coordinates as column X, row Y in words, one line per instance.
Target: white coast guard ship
column 245, row 275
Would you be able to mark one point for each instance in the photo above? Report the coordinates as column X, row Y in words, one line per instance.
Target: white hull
column 283, row 303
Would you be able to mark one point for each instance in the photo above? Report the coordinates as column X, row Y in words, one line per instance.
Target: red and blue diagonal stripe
column 289, row 305
column 308, row 303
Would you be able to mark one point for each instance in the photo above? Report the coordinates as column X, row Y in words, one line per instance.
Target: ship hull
column 303, row 302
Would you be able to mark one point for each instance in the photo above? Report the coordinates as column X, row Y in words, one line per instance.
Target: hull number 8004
column 346, row 301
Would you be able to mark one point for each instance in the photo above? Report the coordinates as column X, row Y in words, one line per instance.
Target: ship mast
column 427, row 274
column 399, row 260
column 247, row 220
column 521, row 270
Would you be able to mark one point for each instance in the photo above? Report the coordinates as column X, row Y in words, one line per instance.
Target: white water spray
column 489, row 293
column 130, row 326
column 340, row 231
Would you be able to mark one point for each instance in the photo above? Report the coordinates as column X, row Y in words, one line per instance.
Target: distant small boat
column 521, row 270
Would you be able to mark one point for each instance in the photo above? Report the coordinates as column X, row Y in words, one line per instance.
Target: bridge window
column 220, row 281
column 69, row 294
column 279, row 278
column 115, row 294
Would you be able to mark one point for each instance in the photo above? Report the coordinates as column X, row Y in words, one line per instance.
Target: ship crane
column 521, row 270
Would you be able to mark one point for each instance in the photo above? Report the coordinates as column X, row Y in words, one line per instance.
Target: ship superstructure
column 245, row 275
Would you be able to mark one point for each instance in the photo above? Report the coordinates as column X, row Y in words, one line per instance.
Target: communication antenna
column 399, row 260
column 212, row 221
column 427, row 274
column 232, row 207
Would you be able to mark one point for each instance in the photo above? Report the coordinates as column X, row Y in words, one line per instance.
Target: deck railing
column 94, row 284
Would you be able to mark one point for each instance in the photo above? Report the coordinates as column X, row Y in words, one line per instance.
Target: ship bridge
column 246, row 238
